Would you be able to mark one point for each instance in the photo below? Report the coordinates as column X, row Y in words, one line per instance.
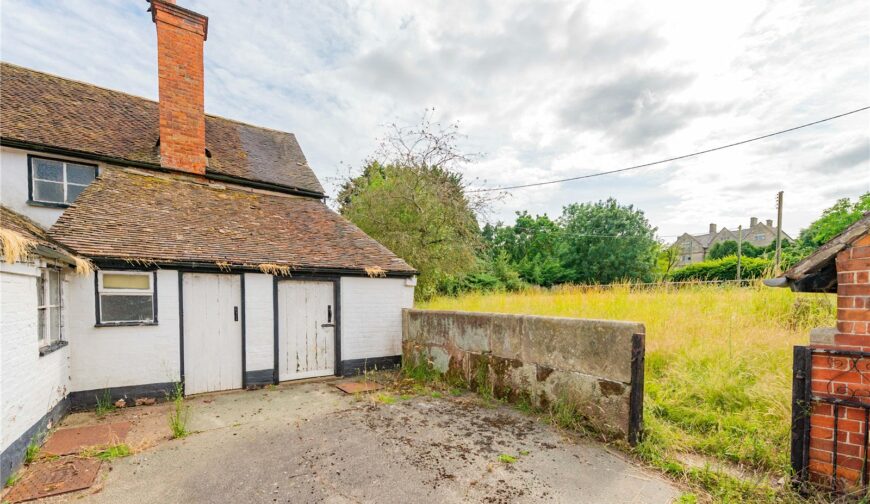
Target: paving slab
column 54, row 477
column 354, row 387
column 314, row 443
column 75, row 439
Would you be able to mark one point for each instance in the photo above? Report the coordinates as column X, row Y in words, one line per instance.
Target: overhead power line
column 677, row 158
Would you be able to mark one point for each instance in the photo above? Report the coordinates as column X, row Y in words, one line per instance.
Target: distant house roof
column 818, row 272
column 34, row 233
column 151, row 217
column 45, row 111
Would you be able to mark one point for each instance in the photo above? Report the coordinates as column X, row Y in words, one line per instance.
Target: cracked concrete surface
column 311, row 443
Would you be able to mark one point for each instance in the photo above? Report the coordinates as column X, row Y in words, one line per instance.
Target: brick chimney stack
column 712, row 228
column 753, row 221
column 180, row 37
column 769, row 222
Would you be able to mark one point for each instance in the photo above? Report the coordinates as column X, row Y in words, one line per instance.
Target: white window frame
column 152, row 291
column 759, row 237
column 44, row 310
column 65, row 183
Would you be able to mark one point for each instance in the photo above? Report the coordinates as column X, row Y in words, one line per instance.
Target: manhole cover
column 54, row 477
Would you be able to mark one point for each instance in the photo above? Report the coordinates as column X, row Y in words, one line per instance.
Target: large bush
column 723, row 269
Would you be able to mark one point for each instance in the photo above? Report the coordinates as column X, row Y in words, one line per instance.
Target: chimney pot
column 753, row 221
column 180, row 37
column 712, row 228
column 770, row 222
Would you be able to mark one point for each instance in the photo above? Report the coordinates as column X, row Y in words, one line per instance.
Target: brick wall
column 180, row 37
column 844, row 377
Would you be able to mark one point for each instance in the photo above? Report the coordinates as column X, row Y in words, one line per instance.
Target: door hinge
column 236, row 313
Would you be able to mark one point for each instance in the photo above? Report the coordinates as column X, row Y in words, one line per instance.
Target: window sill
column 47, row 204
column 57, row 345
column 124, row 324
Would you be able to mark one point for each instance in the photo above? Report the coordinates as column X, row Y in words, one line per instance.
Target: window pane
column 54, row 287
column 73, row 191
column 116, row 281
column 48, row 191
column 55, row 324
column 40, row 288
column 125, row 308
column 79, row 174
column 47, row 169
column 41, row 325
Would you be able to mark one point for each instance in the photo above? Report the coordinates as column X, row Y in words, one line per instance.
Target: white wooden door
column 212, row 332
column 306, row 330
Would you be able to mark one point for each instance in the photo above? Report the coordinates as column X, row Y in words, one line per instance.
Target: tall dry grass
column 718, row 368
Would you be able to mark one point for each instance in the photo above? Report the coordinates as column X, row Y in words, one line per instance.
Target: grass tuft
column 104, row 403
column 179, row 413
column 109, row 452
column 506, row 459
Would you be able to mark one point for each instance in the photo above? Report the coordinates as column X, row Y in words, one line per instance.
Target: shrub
column 723, row 269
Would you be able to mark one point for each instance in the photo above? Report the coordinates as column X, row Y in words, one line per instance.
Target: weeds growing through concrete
column 179, row 413
column 506, row 459
column 31, row 452
column 13, row 479
column 104, row 403
column 113, row 451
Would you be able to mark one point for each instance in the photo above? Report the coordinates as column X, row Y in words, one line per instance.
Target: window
column 126, row 297
column 58, row 182
column 759, row 237
column 49, row 306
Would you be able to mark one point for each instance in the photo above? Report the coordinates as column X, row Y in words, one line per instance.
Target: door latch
column 236, row 313
column 328, row 317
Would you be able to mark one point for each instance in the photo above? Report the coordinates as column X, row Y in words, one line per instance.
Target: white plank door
column 306, row 330
column 212, row 332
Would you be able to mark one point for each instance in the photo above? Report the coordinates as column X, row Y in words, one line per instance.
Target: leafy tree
column 667, row 258
column 531, row 246
column 834, row 220
column 606, row 242
column 411, row 197
column 729, row 248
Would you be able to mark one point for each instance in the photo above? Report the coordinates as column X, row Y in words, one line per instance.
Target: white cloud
column 546, row 90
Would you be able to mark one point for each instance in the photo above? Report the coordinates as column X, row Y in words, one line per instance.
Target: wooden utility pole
column 739, row 249
column 778, row 230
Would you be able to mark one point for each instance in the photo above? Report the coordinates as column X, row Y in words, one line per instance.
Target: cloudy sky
column 543, row 90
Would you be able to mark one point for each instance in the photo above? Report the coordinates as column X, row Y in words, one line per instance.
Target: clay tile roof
column 127, row 214
column 20, row 224
column 51, row 111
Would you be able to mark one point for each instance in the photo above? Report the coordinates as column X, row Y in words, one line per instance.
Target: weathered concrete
column 542, row 359
column 312, row 443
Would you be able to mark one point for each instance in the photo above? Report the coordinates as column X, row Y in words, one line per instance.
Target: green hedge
column 723, row 269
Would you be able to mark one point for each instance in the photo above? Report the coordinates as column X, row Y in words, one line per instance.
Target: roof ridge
column 131, row 95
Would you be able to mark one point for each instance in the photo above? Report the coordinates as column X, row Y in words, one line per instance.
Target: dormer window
column 58, row 182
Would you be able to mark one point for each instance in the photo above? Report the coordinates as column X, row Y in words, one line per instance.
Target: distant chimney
column 769, row 222
column 712, row 228
column 180, row 37
column 753, row 221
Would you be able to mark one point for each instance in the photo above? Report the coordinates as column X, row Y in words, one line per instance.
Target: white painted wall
column 30, row 385
column 14, row 185
column 104, row 357
column 259, row 328
column 371, row 316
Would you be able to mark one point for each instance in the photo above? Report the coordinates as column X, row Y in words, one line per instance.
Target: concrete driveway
column 312, row 443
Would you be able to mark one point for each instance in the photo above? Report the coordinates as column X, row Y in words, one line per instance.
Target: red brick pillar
column 844, row 377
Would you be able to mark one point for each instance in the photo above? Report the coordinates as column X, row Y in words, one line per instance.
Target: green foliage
column 506, row 459
column 532, row 246
column 729, row 248
column 31, row 452
column 606, row 242
column 666, row 260
column 110, row 452
column 834, row 220
column 12, row 479
column 723, row 269
column 179, row 413
column 104, row 403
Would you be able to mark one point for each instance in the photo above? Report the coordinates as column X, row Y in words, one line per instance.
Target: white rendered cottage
column 215, row 261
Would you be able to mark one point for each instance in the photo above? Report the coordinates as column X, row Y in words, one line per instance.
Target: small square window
column 126, row 297
column 58, row 182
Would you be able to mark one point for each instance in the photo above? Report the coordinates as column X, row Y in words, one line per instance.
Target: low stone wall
column 596, row 365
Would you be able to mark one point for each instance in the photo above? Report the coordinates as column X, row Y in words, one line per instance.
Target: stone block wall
column 595, row 365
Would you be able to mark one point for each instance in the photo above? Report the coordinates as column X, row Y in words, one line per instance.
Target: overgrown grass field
column 718, row 373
